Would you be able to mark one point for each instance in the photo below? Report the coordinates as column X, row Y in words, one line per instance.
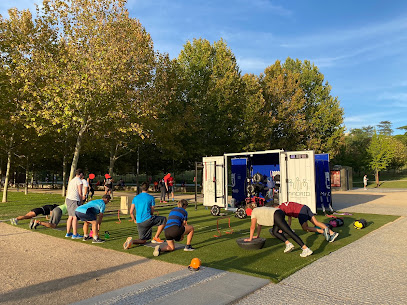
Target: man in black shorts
column 44, row 210
column 176, row 228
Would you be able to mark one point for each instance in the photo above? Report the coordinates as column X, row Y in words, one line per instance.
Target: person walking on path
column 272, row 216
column 73, row 200
column 55, row 218
column 144, row 204
column 92, row 213
column 176, row 228
column 44, row 210
column 304, row 214
column 365, row 182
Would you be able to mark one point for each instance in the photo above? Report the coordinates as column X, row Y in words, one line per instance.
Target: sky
column 359, row 46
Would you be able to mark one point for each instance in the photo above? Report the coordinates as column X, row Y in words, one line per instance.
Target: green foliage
column 381, row 151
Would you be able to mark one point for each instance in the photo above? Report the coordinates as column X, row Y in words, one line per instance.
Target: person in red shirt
column 170, row 182
column 304, row 214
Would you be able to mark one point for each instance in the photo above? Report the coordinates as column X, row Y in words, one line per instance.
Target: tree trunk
column 27, row 174
column 77, row 151
column 112, row 159
column 7, row 171
column 377, row 178
column 64, row 176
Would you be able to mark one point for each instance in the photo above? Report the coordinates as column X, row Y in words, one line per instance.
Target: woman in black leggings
column 270, row 216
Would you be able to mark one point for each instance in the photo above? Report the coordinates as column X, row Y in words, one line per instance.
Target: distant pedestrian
column 171, row 183
column 163, row 190
column 108, row 183
column 365, row 182
column 90, row 183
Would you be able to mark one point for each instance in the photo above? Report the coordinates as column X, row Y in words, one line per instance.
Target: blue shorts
column 305, row 214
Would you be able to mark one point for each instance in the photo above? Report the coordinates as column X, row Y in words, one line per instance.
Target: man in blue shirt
column 92, row 213
column 176, row 228
column 144, row 204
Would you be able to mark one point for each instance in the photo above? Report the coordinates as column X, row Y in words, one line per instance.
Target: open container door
column 214, row 183
column 298, row 178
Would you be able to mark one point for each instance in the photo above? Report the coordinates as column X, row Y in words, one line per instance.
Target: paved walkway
column 371, row 270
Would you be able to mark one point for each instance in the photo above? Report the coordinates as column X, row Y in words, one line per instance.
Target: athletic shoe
column 36, row 224
column 157, row 240
column 31, row 225
column 306, row 252
column 288, row 248
column 333, row 237
column 77, row 236
column 164, row 201
column 189, row 248
column 128, row 243
column 97, row 241
column 157, row 250
column 68, row 234
column 326, row 233
column 85, row 238
column 14, row 221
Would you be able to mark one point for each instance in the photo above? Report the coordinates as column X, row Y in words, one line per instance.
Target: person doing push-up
column 273, row 216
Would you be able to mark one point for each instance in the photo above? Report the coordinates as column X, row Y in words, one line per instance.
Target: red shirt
column 170, row 181
column 291, row 208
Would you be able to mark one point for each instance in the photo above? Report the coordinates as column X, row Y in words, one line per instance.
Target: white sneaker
column 306, row 252
column 128, row 243
column 157, row 250
column 326, row 234
column 14, row 221
column 288, row 248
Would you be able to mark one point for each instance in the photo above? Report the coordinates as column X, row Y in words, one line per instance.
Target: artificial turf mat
column 216, row 252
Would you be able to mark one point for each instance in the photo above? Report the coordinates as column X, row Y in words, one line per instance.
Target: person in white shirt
column 74, row 198
column 85, row 190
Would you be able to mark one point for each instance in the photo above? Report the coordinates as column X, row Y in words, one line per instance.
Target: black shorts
column 91, row 215
column 305, row 214
column 38, row 211
column 174, row 233
column 170, row 189
column 145, row 229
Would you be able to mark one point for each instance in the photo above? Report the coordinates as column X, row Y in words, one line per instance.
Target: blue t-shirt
column 143, row 203
column 176, row 217
column 98, row 205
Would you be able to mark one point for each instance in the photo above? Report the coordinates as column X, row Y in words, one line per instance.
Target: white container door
column 298, row 178
column 214, row 181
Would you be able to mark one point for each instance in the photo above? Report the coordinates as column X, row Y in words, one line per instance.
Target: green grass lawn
column 217, row 252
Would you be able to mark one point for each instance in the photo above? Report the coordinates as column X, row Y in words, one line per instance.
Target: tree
column 324, row 130
column 18, row 35
column 99, row 72
column 381, row 151
column 384, row 128
column 209, row 97
column 353, row 152
column 283, row 113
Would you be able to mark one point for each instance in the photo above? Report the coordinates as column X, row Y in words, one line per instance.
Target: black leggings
column 281, row 224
